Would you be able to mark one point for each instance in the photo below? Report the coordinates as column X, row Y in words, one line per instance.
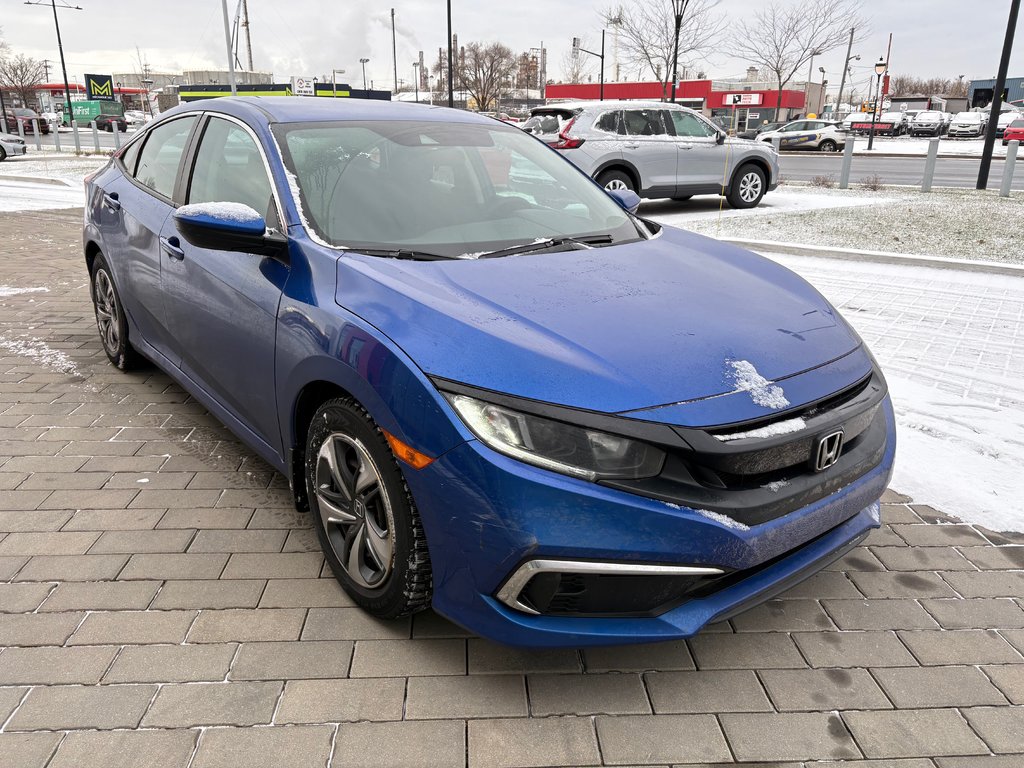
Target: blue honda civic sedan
column 496, row 389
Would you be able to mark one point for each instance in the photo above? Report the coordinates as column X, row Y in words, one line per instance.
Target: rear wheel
column 748, row 187
column 110, row 319
column 3, row 154
column 616, row 181
column 828, row 146
column 364, row 515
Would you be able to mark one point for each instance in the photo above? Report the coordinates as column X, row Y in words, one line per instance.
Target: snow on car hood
column 673, row 319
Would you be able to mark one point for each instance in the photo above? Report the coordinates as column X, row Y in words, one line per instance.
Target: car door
column 702, row 161
column 793, row 135
column 134, row 208
column 652, row 150
column 221, row 305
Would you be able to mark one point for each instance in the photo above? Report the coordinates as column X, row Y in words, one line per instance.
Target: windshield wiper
column 402, row 253
column 551, row 242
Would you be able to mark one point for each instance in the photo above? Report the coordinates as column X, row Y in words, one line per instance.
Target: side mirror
column 228, row 227
column 720, row 138
column 627, row 198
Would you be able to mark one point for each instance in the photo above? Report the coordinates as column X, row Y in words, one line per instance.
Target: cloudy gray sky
column 297, row 37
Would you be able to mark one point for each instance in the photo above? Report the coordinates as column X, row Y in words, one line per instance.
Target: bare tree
column 577, row 66
column 21, row 74
column 485, row 71
column 781, row 39
column 903, row 85
column 647, row 33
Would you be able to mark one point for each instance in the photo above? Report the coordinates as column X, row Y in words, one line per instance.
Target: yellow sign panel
column 99, row 87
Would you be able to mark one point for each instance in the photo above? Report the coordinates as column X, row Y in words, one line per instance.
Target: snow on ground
column 959, row 223
column 785, row 200
column 62, row 166
column 31, row 196
column 951, row 344
column 918, row 145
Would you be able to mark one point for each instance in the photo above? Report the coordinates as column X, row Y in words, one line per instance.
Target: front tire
column 3, row 154
column 110, row 318
column 364, row 515
column 748, row 187
column 616, row 180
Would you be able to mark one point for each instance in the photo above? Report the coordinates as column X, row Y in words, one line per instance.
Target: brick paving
column 161, row 604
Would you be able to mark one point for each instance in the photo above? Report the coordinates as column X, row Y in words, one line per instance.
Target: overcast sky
column 310, row 37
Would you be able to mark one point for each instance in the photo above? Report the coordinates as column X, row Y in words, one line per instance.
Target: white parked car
column 136, row 117
column 11, row 146
column 968, row 125
column 820, row 135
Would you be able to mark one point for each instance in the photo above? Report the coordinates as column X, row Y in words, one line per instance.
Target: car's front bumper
column 486, row 515
column 14, row 150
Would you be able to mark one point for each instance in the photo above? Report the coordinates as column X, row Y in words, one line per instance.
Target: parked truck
column 84, row 112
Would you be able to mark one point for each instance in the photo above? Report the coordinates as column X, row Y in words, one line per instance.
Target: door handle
column 685, row 146
column 110, row 201
column 631, row 146
column 172, row 247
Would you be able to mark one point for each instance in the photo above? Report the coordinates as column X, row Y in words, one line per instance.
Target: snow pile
column 237, row 212
column 763, row 392
column 40, row 352
column 10, row 290
column 772, row 430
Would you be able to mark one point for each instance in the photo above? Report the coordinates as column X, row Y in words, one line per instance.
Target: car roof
column 609, row 104
column 299, row 109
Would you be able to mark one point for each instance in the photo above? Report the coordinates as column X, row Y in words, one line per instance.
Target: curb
column 890, row 155
column 879, row 257
column 37, row 180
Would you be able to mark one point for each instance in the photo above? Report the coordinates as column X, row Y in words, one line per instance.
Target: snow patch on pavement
column 40, row 352
column 10, row 290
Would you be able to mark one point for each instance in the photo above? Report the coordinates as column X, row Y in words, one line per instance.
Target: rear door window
column 645, row 122
column 160, row 157
column 611, row 122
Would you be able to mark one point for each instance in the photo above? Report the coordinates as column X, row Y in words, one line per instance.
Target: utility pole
column 227, row 43
column 46, row 69
column 846, row 66
column 451, row 63
column 394, row 49
column 60, row 45
column 997, row 96
column 248, row 38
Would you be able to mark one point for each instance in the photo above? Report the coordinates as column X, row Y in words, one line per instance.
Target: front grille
column 757, row 479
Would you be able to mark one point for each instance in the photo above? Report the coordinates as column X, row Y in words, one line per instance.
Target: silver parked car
column 11, row 146
column 657, row 150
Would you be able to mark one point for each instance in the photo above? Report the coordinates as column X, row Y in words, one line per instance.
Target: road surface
column 949, row 171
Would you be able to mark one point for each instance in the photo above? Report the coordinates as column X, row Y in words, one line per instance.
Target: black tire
column 682, row 198
column 614, row 179
column 747, row 188
column 110, row 318
column 110, row 127
column 343, row 429
column 3, row 154
column 828, row 146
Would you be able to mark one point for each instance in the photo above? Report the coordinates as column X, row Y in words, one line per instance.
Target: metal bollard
column 1011, row 159
column 56, row 136
column 117, row 139
column 777, row 143
column 21, row 128
column 929, row 165
column 844, row 173
column 95, row 136
column 78, row 139
column 35, row 132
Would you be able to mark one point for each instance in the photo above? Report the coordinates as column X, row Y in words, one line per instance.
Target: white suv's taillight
column 565, row 141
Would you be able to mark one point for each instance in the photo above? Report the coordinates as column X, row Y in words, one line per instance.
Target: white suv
column 657, row 150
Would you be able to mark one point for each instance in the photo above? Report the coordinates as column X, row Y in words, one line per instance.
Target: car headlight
column 576, row 451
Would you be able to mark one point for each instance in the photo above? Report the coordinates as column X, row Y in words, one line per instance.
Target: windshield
column 969, row 117
column 452, row 189
column 928, row 116
column 21, row 112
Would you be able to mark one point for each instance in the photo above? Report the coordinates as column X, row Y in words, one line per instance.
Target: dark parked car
column 26, row 118
column 753, row 133
column 493, row 388
column 110, row 122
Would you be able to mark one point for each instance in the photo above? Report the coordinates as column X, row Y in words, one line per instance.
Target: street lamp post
column 824, row 98
column 451, row 62
column 60, row 46
column 880, row 68
column 416, row 79
column 576, row 47
column 364, row 62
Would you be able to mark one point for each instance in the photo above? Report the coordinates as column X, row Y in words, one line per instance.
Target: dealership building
column 741, row 103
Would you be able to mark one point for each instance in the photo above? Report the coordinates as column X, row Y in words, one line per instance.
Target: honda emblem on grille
column 829, row 449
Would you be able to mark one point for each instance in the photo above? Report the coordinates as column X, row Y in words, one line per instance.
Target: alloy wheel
column 107, row 319
column 355, row 509
column 750, row 187
column 616, row 185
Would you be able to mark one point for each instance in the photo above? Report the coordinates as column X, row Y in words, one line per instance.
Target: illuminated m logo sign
column 99, row 87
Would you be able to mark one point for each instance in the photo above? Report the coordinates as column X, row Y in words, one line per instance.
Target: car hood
column 676, row 318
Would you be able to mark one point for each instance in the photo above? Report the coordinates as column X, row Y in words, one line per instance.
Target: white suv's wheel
column 748, row 187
